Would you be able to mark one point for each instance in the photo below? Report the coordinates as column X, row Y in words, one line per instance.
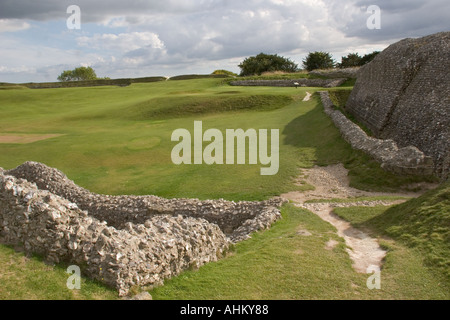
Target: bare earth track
column 332, row 183
column 24, row 138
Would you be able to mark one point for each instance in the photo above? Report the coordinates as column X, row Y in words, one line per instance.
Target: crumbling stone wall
column 404, row 95
column 351, row 72
column 119, row 240
column 230, row 216
column 325, row 83
column 406, row 160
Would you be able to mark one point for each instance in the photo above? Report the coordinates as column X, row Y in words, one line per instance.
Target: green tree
column 354, row 60
column 78, row 74
column 351, row 60
column 369, row 57
column 318, row 60
column 65, row 76
column 266, row 62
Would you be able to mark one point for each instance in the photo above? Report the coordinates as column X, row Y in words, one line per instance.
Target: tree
column 65, row 76
column 369, row 57
column 354, row 60
column 266, row 62
column 318, row 60
column 351, row 60
column 78, row 74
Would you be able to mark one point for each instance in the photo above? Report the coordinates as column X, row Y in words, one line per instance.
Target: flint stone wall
column 406, row 160
column 337, row 73
column 325, row 83
column 404, row 95
column 120, row 240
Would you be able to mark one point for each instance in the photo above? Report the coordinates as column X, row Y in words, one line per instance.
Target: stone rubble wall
column 122, row 241
column 404, row 95
column 351, row 72
column 118, row 210
column 406, row 160
column 325, row 83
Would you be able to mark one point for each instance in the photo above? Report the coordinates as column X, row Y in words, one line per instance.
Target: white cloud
column 123, row 42
column 19, row 69
column 134, row 37
column 12, row 25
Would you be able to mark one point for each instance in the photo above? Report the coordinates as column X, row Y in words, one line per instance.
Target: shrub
column 266, row 63
column 318, row 60
column 78, row 74
column 224, row 72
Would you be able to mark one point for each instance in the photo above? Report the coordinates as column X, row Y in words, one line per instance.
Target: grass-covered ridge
column 189, row 105
column 422, row 223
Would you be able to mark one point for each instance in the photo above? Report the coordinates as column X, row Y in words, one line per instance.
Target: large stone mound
column 123, row 241
column 404, row 95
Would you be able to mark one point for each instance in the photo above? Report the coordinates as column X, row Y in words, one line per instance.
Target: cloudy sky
column 136, row 38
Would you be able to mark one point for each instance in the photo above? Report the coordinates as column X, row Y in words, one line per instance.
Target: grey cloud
column 97, row 11
column 198, row 32
column 399, row 19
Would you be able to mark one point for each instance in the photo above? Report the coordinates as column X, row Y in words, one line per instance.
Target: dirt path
column 362, row 249
column 308, row 97
column 332, row 182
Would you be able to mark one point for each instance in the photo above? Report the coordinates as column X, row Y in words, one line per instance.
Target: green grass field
column 117, row 140
column 281, row 264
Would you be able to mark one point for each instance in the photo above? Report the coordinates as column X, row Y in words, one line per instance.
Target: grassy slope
column 23, row 278
column 117, row 140
column 281, row 264
column 114, row 143
column 422, row 223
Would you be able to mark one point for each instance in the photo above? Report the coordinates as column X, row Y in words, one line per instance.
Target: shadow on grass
column 320, row 143
column 316, row 132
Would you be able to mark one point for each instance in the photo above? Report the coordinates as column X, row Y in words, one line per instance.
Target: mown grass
column 280, row 264
column 118, row 140
column 28, row 278
column 177, row 106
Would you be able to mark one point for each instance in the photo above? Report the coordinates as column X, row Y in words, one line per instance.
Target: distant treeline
column 105, row 82
column 198, row 76
column 91, row 83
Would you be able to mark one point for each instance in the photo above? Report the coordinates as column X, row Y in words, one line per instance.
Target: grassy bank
column 422, row 224
column 23, row 278
column 284, row 264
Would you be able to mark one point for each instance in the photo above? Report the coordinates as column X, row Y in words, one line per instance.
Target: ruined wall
column 118, row 210
column 120, row 240
column 325, row 83
column 404, row 95
column 351, row 72
column 406, row 160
